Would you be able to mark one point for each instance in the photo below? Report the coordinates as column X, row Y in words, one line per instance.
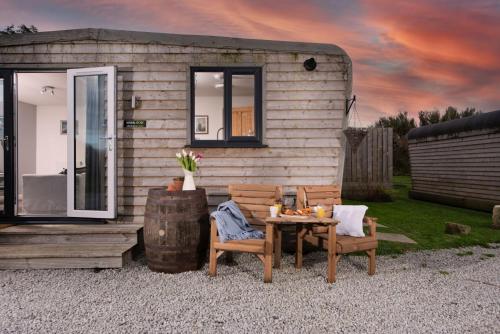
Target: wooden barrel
column 176, row 230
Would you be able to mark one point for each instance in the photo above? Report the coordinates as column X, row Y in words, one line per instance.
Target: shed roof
column 489, row 120
column 109, row 35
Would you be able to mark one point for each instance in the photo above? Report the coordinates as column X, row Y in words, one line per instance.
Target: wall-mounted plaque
column 134, row 123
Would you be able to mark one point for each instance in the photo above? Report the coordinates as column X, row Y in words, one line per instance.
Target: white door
column 92, row 142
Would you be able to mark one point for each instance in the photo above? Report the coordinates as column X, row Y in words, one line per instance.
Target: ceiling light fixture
column 46, row 89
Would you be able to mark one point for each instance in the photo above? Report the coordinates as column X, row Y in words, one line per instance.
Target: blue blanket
column 232, row 224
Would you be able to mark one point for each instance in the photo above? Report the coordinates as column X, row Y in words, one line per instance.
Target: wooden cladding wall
column 371, row 165
column 461, row 169
column 303, row 114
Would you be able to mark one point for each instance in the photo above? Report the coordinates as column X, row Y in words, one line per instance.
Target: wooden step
column 47, row 246
column 71, row 228
column 74, row 233
column 76, row 255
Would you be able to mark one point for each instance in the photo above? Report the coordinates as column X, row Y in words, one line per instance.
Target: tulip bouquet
column 188, row 161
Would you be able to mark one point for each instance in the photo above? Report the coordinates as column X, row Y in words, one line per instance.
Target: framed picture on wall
column 64, row 127
column 201, row 124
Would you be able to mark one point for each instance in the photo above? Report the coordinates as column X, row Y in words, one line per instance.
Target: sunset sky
column 407, row 55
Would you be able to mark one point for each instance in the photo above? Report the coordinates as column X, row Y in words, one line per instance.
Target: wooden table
column 304, row 226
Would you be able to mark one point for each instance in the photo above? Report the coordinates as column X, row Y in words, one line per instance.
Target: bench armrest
column 372, row 225
column 213, row 230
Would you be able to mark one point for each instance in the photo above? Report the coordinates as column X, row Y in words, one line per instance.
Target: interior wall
column 26, row 141
column 42, row 147
column 51, row 154
column 212, row 106
column 243, row 101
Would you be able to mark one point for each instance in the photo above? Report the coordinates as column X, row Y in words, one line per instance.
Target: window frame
column 229, row 140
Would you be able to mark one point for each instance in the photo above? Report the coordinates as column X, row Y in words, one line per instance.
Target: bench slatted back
column 254, row 200
column 326, row 196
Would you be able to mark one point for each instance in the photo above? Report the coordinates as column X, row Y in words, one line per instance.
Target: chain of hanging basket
column 353, row 134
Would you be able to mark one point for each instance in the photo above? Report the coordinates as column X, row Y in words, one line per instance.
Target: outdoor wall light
column 310, row 64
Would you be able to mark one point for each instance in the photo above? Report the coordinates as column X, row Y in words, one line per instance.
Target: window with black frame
column 226, row 106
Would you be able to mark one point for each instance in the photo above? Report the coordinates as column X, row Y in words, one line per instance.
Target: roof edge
column 489, row 120
column 110, row 35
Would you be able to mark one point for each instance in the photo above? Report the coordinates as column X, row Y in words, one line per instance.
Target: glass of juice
column 279, row 206
column 320, row 211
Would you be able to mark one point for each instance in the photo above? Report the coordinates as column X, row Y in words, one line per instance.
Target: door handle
column 5, row 143
column 218, row 133
column 110, row 143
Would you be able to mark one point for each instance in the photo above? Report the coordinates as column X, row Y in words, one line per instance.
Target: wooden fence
column 371, row 165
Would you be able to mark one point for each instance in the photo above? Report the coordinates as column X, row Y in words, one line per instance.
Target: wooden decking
column 67, row 246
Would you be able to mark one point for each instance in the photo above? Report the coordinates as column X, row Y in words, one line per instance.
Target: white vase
column 188, row 180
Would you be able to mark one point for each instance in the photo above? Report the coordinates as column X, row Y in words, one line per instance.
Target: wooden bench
column 327, row 196
column 254, row 201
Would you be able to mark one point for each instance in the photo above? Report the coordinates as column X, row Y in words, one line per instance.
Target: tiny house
column 93, row 118
column 457, row 162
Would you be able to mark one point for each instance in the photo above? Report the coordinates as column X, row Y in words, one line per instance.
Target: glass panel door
column 6, row 151
column 2, row 150
column 91, row 142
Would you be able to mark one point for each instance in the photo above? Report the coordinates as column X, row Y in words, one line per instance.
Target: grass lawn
column 424, row 222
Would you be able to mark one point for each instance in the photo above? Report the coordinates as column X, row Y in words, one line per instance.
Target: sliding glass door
column 92, row 142
column 6, row 147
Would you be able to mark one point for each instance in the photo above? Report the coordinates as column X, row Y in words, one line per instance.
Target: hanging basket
column 355, row 136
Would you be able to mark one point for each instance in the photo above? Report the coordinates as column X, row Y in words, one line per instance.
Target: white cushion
column 351, row 219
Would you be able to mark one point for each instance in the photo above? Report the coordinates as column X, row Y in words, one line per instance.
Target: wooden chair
column 327, row 196
column 254, row 201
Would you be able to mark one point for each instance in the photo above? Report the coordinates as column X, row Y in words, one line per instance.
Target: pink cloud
column 407, row 55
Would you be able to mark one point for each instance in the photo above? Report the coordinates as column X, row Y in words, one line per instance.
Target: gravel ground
column 438, row 292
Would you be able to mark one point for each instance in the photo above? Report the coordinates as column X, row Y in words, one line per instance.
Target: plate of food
column 299, row 213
